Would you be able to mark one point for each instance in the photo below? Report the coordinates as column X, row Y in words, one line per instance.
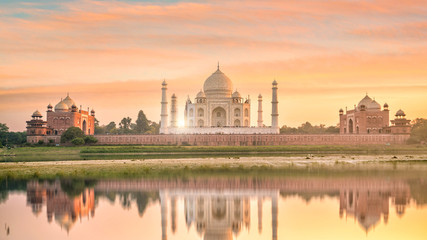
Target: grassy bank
column 226, row 167
column 215, row 149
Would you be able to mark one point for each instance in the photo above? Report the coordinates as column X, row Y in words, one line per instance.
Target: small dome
column 201, row 94
column 93, row 111
column 274, row 82
column 37, row 114
column 49, row 106
column 385, row 105
column 341, row 110
column 61, row 107
column 70, row 102
column 400, row 113
column 236, row 94
column 164, row 83
column 218, row 85
column 173, row 95
column 259, row 96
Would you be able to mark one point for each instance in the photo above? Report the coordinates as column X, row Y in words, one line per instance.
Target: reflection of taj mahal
column 217, row 109
column 218, row 215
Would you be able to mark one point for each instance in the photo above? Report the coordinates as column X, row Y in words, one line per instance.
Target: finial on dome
column 218, row 65
column 68, row 94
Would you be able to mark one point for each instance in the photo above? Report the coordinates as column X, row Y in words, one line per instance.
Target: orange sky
column 113, row 55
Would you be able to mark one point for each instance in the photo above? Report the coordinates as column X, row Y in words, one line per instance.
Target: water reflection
column 220, row 208
column 66, row 209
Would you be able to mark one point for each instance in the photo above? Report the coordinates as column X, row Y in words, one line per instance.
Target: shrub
column 90, row 140
column 71, row 134
column 78, row 141
column 40, row 142
column 50, row 141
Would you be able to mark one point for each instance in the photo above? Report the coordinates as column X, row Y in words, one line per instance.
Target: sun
column 181, row 123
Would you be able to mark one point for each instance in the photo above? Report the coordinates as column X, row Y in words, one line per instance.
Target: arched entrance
column 200, row 123
column 219, row 118
column 84, row 126
column 237, row 123
column 350, row 126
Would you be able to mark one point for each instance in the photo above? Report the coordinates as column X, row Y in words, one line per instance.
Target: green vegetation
column 71, row 133
column 11, row 138
column 307, row 128
column 44, row 153
column 141, row 126
column 90, row 140
column 419, row 131
column 78, row 141
column 138, row 169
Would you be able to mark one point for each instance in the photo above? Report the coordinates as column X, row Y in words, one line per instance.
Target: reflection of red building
column 367, row 205
column 59, row 119
column 64, row 208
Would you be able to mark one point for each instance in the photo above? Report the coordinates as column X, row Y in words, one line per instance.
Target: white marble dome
column 61, row 107
column 218, row 85
column 374, row 105
column 366, row 101
column 70, row 102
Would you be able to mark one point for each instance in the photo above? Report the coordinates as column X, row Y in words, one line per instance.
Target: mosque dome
column 201, row 94
column 70, row 102
column 61, row 107
column 236, row 94
column 400, row 113
column 374, row 105
column 218, row 85
column 366, row 101
column 37, row 114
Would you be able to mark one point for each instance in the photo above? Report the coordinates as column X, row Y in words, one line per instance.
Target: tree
column 110, row 128
column 99, row 129
column 142, row 123
column 90, row 140
column 71, row 133
column 4, row 128
column 78, row 141
column 418, row 131
column 125, row 125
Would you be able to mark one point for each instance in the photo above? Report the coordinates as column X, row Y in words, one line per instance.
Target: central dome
column 218, row 85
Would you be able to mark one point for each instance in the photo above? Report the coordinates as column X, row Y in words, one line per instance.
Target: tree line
column 141, row 126
column 308, row 128
column 11, row 138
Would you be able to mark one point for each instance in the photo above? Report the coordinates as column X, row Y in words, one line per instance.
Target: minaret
column 274, row 213
column 173, row 214
column 164, row 114
column 275, row 108
column 259, row 214
column 260, row 111
column 163, row 212
column 173, row 112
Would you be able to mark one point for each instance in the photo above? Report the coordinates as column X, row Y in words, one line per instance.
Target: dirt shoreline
column 249, row 161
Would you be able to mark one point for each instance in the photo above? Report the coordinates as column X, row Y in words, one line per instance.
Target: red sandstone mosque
column 59, row 119
column 368, row 118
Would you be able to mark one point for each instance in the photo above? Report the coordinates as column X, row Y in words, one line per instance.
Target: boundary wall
column 240, row 139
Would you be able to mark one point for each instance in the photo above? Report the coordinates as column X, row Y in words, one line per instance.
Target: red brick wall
column 251, row 140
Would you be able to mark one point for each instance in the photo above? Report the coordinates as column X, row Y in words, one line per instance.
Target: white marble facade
column 217, row 110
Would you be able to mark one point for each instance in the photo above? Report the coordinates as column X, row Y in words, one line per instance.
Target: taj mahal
column 218, row 110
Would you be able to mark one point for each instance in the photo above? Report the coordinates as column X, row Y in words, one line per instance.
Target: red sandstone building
column 63, row 116
column 369, row 118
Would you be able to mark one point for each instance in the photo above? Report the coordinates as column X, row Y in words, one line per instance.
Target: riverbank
column 259, row 166
column 159, row 152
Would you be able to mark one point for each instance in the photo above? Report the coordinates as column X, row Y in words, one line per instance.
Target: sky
column 113, row 55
